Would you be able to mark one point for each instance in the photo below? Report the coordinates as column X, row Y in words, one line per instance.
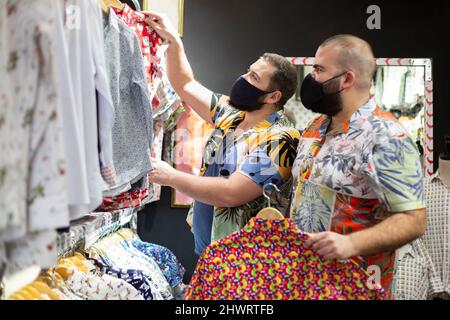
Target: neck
column 254, row 117
column 351, row 104
column 444, row 171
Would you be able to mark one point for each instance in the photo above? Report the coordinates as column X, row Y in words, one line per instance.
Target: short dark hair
column 284, row 78
column 355, row 54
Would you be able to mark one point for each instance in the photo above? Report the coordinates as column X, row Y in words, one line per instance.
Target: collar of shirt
column 113, row 20
column 262, row 125
column 319, row 127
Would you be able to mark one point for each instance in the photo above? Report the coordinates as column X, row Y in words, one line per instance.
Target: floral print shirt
column 267, row 260
column 106, row 287
column 32, row 165
column 150, row 43
column 166, row 260
column 355, row 176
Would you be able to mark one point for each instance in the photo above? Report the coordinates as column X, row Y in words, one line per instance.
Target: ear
column 349, row 80
column 273, row 97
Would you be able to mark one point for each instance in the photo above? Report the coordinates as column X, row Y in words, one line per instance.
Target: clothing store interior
column 224, row 150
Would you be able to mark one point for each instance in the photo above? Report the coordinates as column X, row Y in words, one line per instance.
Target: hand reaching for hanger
column 162, row 25
column 162, row 173
column 331, row 245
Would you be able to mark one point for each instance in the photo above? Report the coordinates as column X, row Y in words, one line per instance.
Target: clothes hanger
column 270, row 213
column 16, row 296
column 45, row 289
column 106, row 4
column 35, row 295
column 64, row 271
column 80, row 255
column 78, row 263
column 47, row 279
column 20, row 296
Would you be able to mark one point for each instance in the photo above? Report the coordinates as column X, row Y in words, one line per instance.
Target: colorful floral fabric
column 129, row 199
column 150, row 43
column 267, row 260
column 355, row 176
column 265, row 154
column 166, row 260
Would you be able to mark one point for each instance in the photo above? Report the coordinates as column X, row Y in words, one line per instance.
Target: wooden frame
column 428, row 114
column 174, row 9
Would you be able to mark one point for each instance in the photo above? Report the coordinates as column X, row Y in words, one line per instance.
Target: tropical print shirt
column 265, row 154
column 356, row 176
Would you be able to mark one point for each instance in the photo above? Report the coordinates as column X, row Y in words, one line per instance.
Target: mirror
column 403, row 87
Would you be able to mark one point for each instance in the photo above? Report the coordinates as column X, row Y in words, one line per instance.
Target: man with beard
column 358, row 184
column 253, row 142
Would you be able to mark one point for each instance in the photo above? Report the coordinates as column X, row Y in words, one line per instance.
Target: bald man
column 358, row 189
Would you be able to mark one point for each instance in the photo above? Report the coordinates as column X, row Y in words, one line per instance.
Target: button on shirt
column 264, row 154
column 356, row 176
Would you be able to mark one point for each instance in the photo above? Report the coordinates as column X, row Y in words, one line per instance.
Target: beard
column 331, row 103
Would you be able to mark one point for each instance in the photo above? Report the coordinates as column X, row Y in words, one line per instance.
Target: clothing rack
column 84, row 232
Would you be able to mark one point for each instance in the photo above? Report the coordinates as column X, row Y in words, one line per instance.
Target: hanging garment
column 165, row 102
column 106, row 287
column 150, row 43
column 136, row 278
column 91, row 93
column 129, row 199
column 69, row 28
column 355, row 176
column 134, row 197
column 77, row 179
column 436, row 238
column 413, row 273
column 168, row 263
column 105, row 108
column 124, row 256
column 132, row 130
column 267, row 260
column 32, row 165
column 34, row 249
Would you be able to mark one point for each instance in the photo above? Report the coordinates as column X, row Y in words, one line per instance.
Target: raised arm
column 178, row 68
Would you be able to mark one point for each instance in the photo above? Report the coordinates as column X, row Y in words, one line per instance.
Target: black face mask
column 315, row 96
column 245, row 97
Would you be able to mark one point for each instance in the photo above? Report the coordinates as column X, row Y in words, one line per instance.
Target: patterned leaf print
column 313, row 214
column 286, row 147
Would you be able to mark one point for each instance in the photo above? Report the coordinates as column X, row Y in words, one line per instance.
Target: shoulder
column 222, row 112
column 383, row 127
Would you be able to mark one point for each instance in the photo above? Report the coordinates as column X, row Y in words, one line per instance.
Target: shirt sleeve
column 219, row 103
column 396, row 174
column 272, row 160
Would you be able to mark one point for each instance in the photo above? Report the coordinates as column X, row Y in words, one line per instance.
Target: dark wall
column 223, row 37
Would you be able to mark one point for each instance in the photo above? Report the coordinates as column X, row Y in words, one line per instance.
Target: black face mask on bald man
column 316, row 95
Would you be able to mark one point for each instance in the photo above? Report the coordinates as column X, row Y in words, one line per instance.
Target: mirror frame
column 428, row 112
